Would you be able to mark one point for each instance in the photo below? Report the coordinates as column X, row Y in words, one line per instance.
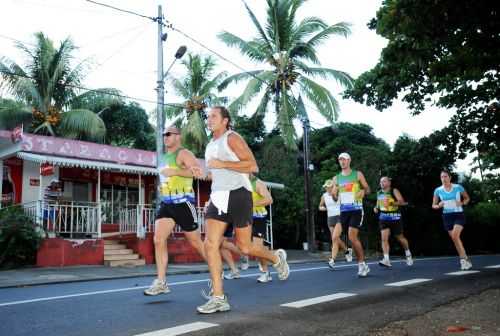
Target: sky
column 122, row 49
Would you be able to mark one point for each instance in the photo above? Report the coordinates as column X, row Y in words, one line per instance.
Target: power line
column 154, row 19
column 95, row 90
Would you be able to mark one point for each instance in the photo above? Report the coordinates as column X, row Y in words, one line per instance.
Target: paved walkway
column 48, row 275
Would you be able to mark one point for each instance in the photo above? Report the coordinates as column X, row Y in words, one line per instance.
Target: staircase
column 116, row 254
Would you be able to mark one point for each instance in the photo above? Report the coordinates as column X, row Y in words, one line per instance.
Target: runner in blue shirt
column 451, row 198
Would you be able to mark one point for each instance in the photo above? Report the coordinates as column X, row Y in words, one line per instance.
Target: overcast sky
column 123, row 47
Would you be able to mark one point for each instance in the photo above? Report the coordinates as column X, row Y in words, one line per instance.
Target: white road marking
column 406, row 282
column 316, row 300
column 493, row 266
column 110, row 291
column 179, row 330
column 462, row 272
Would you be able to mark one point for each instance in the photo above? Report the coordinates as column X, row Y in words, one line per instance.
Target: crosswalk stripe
column 316, row 300
column 492, row 266
column 181, row 329
column 462, row 272
column 406, row 282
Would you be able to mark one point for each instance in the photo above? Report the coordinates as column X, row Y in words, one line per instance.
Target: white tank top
column 332, row 207
column 225, row 179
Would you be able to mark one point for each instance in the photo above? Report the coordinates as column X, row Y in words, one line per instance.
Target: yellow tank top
column 258, row 211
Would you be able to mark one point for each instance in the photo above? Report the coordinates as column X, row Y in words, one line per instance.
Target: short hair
column 446, row 171
column 224, row 112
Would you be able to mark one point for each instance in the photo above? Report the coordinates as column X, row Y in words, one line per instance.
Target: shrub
column 19, row 238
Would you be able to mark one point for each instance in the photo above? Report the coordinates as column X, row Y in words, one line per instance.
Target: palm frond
column 324, row 101
column 285, row 119
column 252, row 89
column 252, row 49
column 12, row 114
column 341, row 77
column 262, row 35
column 238, row 77
column 82, row 124
column 194, row 134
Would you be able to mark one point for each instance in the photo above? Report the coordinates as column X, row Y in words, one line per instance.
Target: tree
column 444, row 53
column 285, row 47
column 199, row 89
column 47, row 85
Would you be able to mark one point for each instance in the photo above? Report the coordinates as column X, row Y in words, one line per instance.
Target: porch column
column 98, row 197
column 39, row 204
column 140, row 232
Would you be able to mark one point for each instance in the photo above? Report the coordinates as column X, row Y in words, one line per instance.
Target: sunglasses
column 167, row 134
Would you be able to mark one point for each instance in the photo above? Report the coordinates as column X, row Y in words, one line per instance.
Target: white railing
column 140, row 219
column 71, row 219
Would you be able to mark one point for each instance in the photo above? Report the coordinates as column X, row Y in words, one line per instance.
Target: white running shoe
column 331, row 263
column 232, row 275
column 244, row 263
column 282, row 266
column 465, row 264
column 409, row 260
column 385, row 263
column 265, row 277
column 348, row 255
column 214, row 304
column 363, row 270
column 156, row 288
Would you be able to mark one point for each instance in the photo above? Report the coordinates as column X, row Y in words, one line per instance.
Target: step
column 110, row 234
column 129, row 263
column 131, row 256
column 114, row 252
column 115, row 247
column 110, row 242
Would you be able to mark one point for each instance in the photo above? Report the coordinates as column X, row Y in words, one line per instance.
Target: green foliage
column 482, row 227
column 19, row 238
column 252, row 129
column 444, row 53
column 288, row 47
column 199, row 90
column 47, row 86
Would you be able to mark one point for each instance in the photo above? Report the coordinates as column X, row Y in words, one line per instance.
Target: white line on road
column 316, row 300
column 406, row 282
column 493, row 266
column 461, row 272
column 179, row 330
column 12, row 303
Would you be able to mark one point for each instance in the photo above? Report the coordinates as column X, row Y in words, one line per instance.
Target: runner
column 332, row 208
column 230, row 161
column 177, row 168
column 451, row 198
column 388, row 202
column 261, row 197
column 350, row 188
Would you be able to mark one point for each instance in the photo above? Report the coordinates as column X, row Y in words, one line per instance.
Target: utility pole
column 160, row 90
column 311, row 239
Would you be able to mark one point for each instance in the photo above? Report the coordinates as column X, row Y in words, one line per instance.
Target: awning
column 67, row 162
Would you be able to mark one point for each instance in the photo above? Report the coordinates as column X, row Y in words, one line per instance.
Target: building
column 85, row 195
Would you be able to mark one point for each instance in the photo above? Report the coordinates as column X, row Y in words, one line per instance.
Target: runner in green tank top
column 350, row 188
column 177, row 170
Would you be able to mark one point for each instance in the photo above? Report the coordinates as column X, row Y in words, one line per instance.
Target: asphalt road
column 314, row 300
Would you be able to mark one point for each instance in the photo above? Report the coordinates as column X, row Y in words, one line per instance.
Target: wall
column 31, row 170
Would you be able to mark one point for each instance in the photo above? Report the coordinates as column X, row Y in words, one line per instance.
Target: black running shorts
column 239, row 210
column 352, row 219
column 183, row 214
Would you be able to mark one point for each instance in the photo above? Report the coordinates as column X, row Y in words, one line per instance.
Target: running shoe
column 282, row 266
column 156, row 288
column 260, row 267
column 331, row 263
column 214, row 304
column 385, row 263
column 363, row 270
column 409, row 260
column 244, row 263
column 348, row 255
column 232, row 275
column 265, row 277
column 465, row 264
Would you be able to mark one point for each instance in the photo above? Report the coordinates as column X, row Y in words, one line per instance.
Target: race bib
column 347, row 197
column 450, row 205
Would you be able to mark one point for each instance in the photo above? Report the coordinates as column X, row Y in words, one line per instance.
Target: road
column 315, row 300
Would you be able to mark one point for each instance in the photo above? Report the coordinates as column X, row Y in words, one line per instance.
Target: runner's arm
column 399, row 198
column 335, row 189
column 262, row 190
column 465, row 198
column 322, row 206
column 364, row 184
column 435, row 203
column 191, row 167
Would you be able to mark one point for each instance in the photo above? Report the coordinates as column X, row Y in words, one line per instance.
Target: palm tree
column 47, row 85
column 199, row 90
column 287, row 48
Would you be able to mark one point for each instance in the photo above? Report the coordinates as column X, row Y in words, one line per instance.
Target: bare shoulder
column 236, row 141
